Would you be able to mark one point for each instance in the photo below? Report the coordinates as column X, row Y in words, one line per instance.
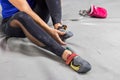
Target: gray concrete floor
column 96, row 40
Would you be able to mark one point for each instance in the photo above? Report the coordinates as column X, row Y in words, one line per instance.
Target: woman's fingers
column 60, row 41
column 60, row 33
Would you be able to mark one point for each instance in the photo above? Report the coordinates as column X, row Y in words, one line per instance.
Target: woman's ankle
column 65, row 55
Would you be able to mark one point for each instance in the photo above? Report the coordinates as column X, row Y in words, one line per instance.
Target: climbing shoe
column 67, row 34
column 78, row 64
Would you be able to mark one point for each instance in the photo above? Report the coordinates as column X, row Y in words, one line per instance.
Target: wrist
column 57, row 25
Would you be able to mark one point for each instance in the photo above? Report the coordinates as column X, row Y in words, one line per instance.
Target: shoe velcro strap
column 70, row 58
column 64, row 26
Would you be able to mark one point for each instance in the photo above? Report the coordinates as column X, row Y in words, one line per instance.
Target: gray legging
column 44, row 8
column 47, row 8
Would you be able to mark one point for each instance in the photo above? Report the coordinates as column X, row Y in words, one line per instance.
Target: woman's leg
column 37, row 35
column 51, row 8
column 54, row 7
column 42, row 10
column 24, row 24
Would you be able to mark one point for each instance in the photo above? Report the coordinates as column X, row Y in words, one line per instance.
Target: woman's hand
column 56, row 35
